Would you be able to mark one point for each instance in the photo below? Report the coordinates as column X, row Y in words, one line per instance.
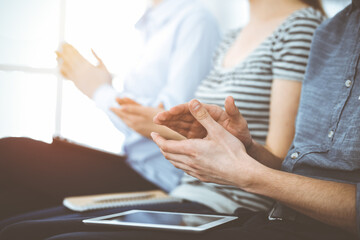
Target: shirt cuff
column 104, row 97
column 358, row 208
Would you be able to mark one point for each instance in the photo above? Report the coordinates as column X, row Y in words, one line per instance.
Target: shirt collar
column 156, row 16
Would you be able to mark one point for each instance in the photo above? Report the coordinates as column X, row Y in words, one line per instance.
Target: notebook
column 101, row 201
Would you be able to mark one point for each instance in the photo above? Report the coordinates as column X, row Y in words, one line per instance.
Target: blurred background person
column 179, row 40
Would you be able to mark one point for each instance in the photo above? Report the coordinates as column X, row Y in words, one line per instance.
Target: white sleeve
column 104, row 98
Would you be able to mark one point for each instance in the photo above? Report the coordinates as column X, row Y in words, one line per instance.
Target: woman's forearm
column 264, row 155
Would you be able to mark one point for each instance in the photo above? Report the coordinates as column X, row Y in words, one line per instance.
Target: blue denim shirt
column 327, row 140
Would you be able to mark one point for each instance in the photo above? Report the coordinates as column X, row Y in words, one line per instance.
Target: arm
column 329, row 202
column 221, row 158
column 139, row 118
column 86, row 77
column 284, row 103
column 93, row 81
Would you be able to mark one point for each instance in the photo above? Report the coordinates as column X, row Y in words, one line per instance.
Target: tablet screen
column 164, row 218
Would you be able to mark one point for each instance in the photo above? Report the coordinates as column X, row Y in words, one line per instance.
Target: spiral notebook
column 101, row 201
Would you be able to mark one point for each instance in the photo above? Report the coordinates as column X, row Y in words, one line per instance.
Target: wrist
column 251, row 148
column 254, row 177
column 101, row 90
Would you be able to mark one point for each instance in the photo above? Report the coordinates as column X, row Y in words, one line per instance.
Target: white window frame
column 52, row 71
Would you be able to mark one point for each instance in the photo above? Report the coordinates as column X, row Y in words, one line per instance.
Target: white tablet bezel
column 102, row 221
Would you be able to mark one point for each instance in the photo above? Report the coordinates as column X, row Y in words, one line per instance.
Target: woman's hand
column 86, row 77
column 219, row 157
column 140, row 118
column 181, row 120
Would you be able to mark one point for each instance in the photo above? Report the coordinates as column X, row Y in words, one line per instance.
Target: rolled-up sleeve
column 358, row 208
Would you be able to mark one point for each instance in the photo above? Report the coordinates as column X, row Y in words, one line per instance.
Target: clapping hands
column 86, row 77
column 181, row 120
column 215, row 155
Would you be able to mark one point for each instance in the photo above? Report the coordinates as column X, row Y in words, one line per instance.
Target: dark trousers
column 60, row 224
column 55, row 221
column 43, row 174
column 35, row 175
column 256, row 228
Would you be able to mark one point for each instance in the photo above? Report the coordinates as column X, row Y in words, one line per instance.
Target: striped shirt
column 283, row 55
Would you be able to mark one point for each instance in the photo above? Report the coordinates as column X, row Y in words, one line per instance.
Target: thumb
column 201, row 114
column 161, row 105
column 97, row 58
column 231, row 109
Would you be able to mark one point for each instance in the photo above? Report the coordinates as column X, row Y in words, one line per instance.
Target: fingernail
column 195, row 105
column 153, row 134
column 155, row 118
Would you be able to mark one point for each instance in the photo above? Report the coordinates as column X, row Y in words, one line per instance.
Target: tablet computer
column 189, row 222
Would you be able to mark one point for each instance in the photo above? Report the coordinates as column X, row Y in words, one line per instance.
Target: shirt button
column 331, row 134
column 294, row 155
column 348, row 83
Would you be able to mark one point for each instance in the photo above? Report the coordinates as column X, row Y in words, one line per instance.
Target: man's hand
column 220, row 157
column 140, row 118
column 181, row 120
column 86, row 77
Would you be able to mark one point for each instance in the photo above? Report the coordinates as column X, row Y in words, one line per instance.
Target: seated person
column 180, row 39
column 317, row 185
column 258, row 84
column 265, row 79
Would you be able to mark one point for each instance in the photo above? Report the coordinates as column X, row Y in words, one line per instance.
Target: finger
column 97, row 57
column 65, row 70
column 128, row 119
column 161, row 105
column 183, row 167
column 69, row 48
column 64, row 74
column 180, row 109
column 133, row 109
column 119, row 113
column 201, row 114
column 195, row 134
column 62, row 56
column 178, row 126
column 167, row 117
column 231, row 108
column 173, row 146
column 178, row 158
column 58, row 54
column 66, row 58
column 72, row 55
column 176, row 112
column 126, row 100
column 59, row 58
